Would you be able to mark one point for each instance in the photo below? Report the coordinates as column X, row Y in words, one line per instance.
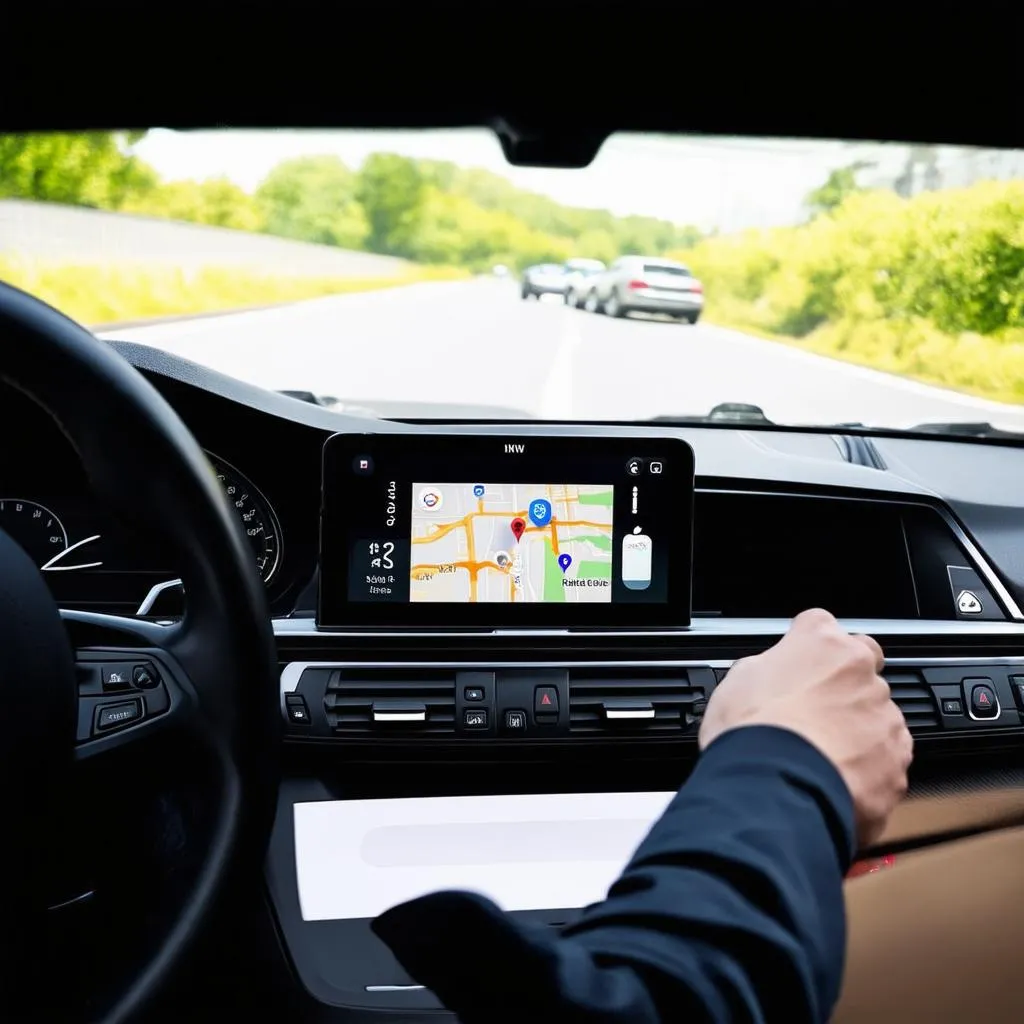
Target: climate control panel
column 520, row 702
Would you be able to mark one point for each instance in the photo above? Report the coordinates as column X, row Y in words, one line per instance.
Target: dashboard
column 920, row 542
column 478, row 685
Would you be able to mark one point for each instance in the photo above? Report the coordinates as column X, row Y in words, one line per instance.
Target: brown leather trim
column 931, row 817
column 938, row 937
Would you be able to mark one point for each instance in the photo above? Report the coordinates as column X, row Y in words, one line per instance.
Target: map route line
column 443, row 531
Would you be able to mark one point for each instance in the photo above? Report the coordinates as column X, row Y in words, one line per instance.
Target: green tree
column 313, row 199
column 217, row 202
column 841, row 183
column 597, row 244
column 87, row 169
column 392, row 191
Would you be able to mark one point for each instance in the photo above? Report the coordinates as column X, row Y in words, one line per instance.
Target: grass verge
column 109, row 293
column 987, row 366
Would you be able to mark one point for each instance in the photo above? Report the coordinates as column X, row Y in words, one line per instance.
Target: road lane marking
column 556, row 402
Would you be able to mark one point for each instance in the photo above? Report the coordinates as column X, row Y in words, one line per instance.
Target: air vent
column 915, row 699
column 368, row 702
column 615, row 701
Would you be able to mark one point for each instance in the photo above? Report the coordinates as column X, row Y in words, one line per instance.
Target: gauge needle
column 51, row 565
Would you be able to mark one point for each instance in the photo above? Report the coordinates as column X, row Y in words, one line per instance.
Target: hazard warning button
column 545, row 700
column 984, row 703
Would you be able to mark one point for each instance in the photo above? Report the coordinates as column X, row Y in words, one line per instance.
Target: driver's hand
column 824, row 684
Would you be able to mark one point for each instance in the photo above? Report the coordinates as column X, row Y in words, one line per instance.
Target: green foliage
column 113, row 292
column 392, row 192
column 932, row 286
column 313, row 199
column 88, row 169
column 428, row 211
column 840, row 184
column 217, row 202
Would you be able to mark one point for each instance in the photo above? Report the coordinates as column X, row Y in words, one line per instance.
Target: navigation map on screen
column 511, row 543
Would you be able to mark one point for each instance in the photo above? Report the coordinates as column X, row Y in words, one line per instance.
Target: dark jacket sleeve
column 730, row 910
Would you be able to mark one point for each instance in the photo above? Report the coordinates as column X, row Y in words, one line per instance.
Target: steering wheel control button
column 475, row 718
column 144, row 677
column 984, row 703
column 117, row 677
column 952, row 706
column 474, row 694
column 115, row 716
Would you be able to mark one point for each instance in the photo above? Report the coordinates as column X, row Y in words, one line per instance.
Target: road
column 478, row 343
column 72, row 234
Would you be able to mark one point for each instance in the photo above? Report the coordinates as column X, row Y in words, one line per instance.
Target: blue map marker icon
column 540, row 512
column 565, row 561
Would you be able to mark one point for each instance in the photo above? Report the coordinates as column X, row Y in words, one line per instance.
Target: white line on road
column 556, row 402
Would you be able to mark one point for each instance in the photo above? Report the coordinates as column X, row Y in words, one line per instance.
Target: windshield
column 813, row 282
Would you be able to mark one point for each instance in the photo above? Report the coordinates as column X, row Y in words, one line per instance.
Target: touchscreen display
column 515, row 542
column 482, row 531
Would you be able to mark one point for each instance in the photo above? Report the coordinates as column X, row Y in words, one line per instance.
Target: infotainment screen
column 505, row 531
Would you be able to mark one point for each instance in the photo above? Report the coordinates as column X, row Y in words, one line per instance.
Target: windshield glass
column 818, row 282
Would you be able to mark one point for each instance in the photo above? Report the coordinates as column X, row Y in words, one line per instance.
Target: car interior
column 218, row 769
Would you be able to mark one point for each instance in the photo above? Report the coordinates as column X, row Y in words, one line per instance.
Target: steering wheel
column 78, row 686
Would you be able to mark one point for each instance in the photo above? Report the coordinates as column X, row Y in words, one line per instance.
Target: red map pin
column 518, row 525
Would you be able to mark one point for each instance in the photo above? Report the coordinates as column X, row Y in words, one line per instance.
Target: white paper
column 357, row 858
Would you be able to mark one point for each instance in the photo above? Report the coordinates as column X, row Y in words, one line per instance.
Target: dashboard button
column 1017, row 682
column 117, row 677
column 984, row 703
column 545, row 700
column 475, row 718
column 112, row 716
column 952, row 707
column 474, row 693
column 298, row 712
column 515, row 721
column 144, row 677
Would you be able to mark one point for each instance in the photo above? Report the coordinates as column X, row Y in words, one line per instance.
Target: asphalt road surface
column 478, row 343
column 72, row 234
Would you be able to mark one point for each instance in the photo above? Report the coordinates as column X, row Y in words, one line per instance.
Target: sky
column 724, row 183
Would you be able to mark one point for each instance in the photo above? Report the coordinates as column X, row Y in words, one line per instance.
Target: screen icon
column 540, row 512
column 637, row 559
column 431, row 499
column 634, row 467
column 362, row 464
column 478, row 491
column 655, row 467
column 636, row 498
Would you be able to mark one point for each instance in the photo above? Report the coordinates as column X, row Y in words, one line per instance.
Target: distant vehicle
column 576, row 274
column 643, row 284
column 543, row 279
column 500, row 270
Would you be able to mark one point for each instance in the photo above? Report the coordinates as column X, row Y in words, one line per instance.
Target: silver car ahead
column 577, row 273
column 543, row 279
column 640, row 284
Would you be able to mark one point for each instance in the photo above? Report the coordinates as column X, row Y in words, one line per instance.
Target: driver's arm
column 732, row 907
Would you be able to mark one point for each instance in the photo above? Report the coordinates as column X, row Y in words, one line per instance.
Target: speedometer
column 256, row 515
column 34, row 527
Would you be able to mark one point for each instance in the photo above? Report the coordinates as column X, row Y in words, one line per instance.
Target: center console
column 515, row 640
